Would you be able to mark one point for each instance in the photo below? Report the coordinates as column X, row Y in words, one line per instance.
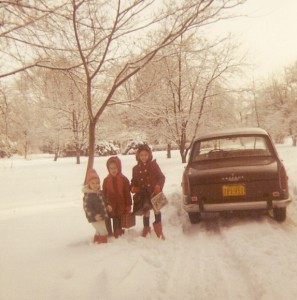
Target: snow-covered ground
column 46, row 250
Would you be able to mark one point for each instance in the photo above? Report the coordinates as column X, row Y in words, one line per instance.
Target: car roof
column 232, row 131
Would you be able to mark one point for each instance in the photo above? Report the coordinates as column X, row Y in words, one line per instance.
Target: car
column 235, row 170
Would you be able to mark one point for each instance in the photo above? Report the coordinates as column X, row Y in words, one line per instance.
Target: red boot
column 117, row 232
column 96, row 239
column 158, row 230
column 102, row 239
column 146, row 230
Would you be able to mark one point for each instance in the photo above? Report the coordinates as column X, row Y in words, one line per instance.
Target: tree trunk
column 184, row 157
column 26, row 145
column 168, row 150
column 78, row 158
column 91, row 149
column 183, row 153
column 182, row 147
column 77, row 148
column 294, row 137
column 56, row 155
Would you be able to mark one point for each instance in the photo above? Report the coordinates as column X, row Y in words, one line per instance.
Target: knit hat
column 92, row 174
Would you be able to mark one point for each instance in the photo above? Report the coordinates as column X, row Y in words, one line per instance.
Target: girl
column 148, row 175
column 94, row 206
column 116, row 189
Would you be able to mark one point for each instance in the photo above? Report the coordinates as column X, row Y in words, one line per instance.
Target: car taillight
column 185, row 185
column 283, row 178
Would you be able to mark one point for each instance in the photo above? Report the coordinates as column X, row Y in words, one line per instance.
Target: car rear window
column 232, row 147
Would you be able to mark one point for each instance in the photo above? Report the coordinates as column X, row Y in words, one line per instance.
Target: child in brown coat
column 116, row 189
column 148, row 175
column 95, row 206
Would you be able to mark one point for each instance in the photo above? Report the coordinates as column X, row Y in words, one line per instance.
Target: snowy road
column 46, row 251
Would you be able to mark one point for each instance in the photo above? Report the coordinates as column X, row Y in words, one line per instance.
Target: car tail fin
column 283, row 178
column 185, row 185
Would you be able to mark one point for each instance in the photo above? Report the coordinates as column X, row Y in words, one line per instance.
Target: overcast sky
column 269, row 33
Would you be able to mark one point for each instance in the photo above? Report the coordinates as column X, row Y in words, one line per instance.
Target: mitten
column 157, row 189
column 98, row 218
column 135, row 189
column 109, row 208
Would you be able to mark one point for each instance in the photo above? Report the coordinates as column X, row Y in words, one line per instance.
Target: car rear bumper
column 256, row 205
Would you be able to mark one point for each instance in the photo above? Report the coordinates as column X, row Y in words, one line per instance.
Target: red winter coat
column 116, row 190
column 147, row 175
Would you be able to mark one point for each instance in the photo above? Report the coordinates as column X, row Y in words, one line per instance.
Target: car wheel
column 195, row 217
column 280, row 214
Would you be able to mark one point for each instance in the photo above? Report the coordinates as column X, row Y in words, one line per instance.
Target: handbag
column 127, row 220
column 141, row 202
column 158, row 201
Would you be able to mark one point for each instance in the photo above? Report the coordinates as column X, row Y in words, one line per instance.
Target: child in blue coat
column 95, row 206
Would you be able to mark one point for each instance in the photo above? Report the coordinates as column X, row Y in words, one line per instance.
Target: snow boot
column 102, row 239
column 145, row 231
column 108, row 226
column 117, row 227
column 96, row 239
column 158, row 230
column 117, row 232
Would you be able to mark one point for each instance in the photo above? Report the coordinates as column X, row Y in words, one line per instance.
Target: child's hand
column 128, row 208
column 98, row 218
column 109, row 208
column 157, row 189
column 135, row 189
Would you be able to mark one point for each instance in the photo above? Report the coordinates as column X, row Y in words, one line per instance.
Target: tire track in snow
column 268, row 259
column 202, row 266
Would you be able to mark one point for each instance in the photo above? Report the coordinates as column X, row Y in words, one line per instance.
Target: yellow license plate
column 233, row 190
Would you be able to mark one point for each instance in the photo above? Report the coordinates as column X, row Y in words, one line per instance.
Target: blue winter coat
column 94, row 204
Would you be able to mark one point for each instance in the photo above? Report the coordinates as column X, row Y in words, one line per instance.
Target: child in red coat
column 148, row 175
column 116, row 189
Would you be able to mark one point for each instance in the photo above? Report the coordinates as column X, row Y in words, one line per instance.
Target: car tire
column 280, row 214
column 195, row 217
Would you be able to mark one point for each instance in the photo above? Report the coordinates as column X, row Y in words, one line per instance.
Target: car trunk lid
column 225, row 182
column 232, row 171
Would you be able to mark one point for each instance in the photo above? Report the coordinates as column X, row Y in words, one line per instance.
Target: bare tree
column 4, row 112
column 277, row 104
column 23, row 120
column 61, row 99
column 111, row 42
column 190, row 90
column 291, row 109
column 26, row 34
column 113, row 45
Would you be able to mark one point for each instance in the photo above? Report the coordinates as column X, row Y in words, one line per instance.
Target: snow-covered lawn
column 46, row 250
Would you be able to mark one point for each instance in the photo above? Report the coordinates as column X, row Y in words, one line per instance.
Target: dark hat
column 144, row 147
